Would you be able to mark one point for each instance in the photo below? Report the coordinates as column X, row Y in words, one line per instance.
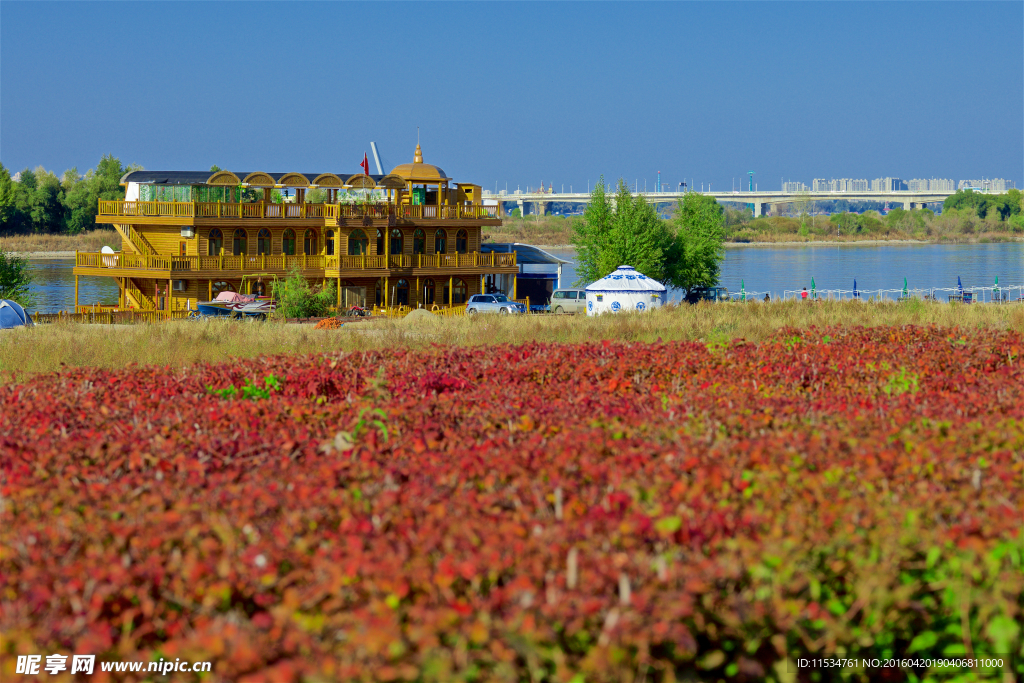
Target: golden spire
column 418, row 158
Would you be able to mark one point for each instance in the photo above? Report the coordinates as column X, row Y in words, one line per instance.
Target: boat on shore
column 235, row 305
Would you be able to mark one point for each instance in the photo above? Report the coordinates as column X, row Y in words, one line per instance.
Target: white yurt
column 624, row 290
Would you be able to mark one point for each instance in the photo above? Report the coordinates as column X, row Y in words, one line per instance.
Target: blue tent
column 12, row 315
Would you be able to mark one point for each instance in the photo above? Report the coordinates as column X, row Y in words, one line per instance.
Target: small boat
column 234, row 305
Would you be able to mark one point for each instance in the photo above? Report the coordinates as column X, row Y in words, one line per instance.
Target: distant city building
column 840, row 185
column 993, row 185
column 791, row 187
column 888, row 185
column 931, row 185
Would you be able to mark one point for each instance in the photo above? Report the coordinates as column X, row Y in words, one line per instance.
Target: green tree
column 591, row 235
column 6, row 198
column 695, row 254
column 638, row 237
column 15, row 279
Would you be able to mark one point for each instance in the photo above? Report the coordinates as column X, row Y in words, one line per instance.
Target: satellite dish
column 107, row 250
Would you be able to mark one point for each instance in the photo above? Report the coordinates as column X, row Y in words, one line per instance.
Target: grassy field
column 47, row 348
column 551, row 231
column 94, row 240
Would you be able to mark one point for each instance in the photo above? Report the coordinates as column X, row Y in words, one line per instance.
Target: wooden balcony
column 211, row 213
column 139, row 265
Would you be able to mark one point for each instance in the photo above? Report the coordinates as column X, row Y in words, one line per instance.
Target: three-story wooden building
column 411, row 237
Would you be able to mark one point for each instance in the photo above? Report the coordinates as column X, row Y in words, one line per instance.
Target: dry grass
column 46, row 348
column 94, row 240
column 551, row 231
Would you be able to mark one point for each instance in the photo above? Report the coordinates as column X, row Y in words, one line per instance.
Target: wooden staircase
column 136, row 297
column 135, row 239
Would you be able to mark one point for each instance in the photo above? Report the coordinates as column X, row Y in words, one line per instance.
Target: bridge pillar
column 522, row 207
column 908, row 205
column 542, row 208
column 759, row 209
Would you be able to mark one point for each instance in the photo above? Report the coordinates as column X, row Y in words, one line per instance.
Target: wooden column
column 514, row 280
column 339, row 289
column 419, row 294
column 451, row 289
column 209, row 290
column 76, row 294
column 387, row 284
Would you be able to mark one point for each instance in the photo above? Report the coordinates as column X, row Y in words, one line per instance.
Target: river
column 761, row 269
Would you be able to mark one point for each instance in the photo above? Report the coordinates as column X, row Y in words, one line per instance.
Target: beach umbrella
column 743, row 290
column 959, row 286
column 904, row 286
column 855, row 296
column 812, row 288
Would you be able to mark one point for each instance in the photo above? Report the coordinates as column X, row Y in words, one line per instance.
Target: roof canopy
column 626, row 279
column 526, row 254
column 251, row 178
column 419, row 172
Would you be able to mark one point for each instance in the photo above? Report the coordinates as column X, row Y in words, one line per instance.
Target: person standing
column 803, row 294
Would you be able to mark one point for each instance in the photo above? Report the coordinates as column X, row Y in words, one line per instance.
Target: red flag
column 365, row 164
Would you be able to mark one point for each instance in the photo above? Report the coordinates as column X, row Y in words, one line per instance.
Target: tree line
column 684, row 252
column 40, row 202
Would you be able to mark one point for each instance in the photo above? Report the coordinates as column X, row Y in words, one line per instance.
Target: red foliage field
column 610, row 511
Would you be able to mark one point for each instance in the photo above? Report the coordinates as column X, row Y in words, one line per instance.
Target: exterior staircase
column 136, row 297
column 135, row 239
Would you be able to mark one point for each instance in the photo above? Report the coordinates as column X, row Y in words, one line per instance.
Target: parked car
column 569, row 301
column 707, row 294
column 493, row 303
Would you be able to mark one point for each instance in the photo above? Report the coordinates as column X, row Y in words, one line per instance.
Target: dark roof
column 526, row 254
column 200, row 177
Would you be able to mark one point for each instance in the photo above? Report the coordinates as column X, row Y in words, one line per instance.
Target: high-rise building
column 930, row 185
column 993, row 185
column 794, row 186
column 888, row 185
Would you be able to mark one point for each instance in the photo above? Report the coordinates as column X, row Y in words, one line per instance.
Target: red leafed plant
column 541, row 512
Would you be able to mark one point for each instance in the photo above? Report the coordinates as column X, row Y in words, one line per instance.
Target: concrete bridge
column 761, row 200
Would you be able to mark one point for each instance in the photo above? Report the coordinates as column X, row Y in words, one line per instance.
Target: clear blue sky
column 522, row 92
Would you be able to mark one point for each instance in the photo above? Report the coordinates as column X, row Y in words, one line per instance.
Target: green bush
column 15, row 279
column 296, row 298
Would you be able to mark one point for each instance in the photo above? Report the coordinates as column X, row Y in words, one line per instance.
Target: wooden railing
column 257, row 210
column 282, row 263
column 136, row 238
column 144, row 301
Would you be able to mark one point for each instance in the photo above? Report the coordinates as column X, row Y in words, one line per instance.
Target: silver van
column 569, row 301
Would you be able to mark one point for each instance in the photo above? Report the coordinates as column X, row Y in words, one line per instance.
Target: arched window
column 419, row 242
column 458, row 292
column 397, row 243
column 378, row 292
column 380, row 242
column 222, row 286
column 216, row 240
column 240, row 243
column 401, row 293
column 288, row 243
column 428, row 292
column 440, row 240
column 329, row 242
column 461, row 241
column 263, row 242
column 350, row 294
column 358, row 243
column 309, row 243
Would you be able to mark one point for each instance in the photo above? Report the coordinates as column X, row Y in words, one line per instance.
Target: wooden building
column 411, row 237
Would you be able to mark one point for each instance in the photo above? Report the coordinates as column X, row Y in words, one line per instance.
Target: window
column 263, row 242
column 428, row 292
column 440, row 242
column 288, row 243
column 461, row 241
column 500, row 298
column 559, row 295
column 380, row 242
column 216, row 240
column 397, row 242
column 240, row 243
column 458, row 292
column 219, row 287
column 329, row 243
column 419, row 242
column 401, row 293
column 309, row 243
column 358, row 243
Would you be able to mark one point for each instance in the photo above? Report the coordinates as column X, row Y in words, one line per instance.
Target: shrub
column 297, row 299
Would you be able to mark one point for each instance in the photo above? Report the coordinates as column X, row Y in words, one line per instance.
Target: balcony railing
column 282, row 263
column 257, row 210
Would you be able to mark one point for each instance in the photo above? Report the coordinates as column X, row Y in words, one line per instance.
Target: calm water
column 762, row 269
column 53, row 285
column 926, row 266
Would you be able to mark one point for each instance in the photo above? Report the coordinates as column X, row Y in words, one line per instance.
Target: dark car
column 697, row 294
